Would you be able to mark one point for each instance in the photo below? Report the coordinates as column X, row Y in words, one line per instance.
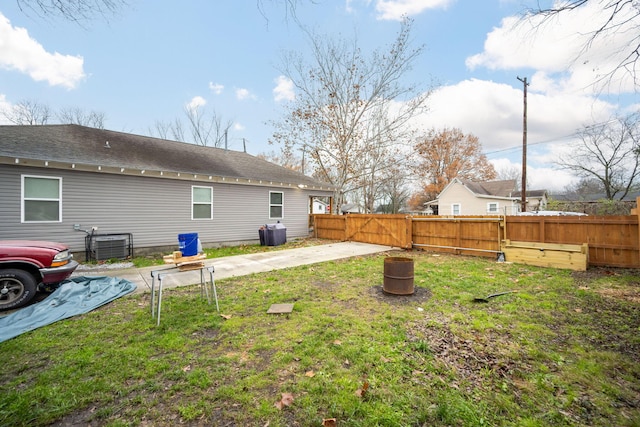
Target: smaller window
column 41, row 199
column 201, row 202
column 492, row 208
column 456, row 209
column 276, row 204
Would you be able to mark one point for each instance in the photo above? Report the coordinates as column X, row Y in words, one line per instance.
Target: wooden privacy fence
column 612, row 240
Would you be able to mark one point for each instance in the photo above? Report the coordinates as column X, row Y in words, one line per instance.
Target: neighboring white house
column 319, row 206
column 536, row 200
column 461, row 197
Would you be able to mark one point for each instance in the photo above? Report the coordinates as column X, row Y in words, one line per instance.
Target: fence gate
column 389, row 230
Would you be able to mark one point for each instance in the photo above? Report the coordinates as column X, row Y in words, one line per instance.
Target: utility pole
column 523, row 200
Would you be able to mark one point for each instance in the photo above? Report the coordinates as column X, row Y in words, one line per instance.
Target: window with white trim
column 456, row 208
column 493, row 207
column 41, row 199
column 276, row 204
column 201, row 202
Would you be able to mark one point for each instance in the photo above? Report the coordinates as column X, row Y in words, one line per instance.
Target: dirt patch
column 419, row 295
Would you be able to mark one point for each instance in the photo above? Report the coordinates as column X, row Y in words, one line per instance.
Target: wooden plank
column 574, row 257
column 179, row 259
column 191, row 266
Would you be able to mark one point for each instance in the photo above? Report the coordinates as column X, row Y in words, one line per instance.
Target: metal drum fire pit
column 398, row 276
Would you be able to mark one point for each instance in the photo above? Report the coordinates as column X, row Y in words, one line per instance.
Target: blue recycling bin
column 188, row 244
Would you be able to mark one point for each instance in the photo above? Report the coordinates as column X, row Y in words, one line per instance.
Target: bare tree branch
column 78, row 116
column 28, row 112
column 608, row 153
column 72, row 10
column 351, row 113
column 620, row 17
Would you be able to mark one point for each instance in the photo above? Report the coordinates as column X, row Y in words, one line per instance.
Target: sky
column 154, row 58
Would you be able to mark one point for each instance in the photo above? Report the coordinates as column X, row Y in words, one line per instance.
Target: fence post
column 636, row 212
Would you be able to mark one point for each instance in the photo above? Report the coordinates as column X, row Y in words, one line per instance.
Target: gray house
column 90, row 187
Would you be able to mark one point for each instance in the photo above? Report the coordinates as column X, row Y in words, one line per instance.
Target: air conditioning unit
column 111, row 247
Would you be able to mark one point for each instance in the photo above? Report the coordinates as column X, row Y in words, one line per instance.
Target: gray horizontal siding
column 154, row 210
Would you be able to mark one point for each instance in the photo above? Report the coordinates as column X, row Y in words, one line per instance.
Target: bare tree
column 202, row 128
column 286, row 159
column 72, row 10
column 207, row 128
column 173, row 130
column 78, row 116
column 608, row 153
column 28, row 112
column 394, row 191
column 511, row 172
column 618, row 17
column 351, row 112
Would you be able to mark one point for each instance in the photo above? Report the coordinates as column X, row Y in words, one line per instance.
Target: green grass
column 564, row 350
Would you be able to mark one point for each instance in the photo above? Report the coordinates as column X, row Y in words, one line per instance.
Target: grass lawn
column 564, row 350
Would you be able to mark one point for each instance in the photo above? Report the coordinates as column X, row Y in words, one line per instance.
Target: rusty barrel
column 398, row 276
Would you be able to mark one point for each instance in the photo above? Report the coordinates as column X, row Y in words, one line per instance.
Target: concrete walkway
column 241, row 265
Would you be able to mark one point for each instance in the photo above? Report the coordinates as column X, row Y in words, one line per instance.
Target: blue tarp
column 75, row 296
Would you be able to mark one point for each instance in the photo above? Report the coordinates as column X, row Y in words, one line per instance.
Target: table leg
column 159, row 297
column 213, row 286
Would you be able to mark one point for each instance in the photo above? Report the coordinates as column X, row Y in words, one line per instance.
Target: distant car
column 26, row 265
column 551, row 213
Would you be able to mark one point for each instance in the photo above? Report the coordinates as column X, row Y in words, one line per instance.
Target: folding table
column 207, row 287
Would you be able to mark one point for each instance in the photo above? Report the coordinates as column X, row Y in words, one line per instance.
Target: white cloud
column 538, row 177
column 4, row 106
column 18, row 51
column 216, row 88
column 395, row 10
column 196, row 102
column 284, row 90
column 494, row 113
column 243, row 94
column 556, row 49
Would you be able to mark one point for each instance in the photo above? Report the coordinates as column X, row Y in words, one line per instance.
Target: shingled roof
column 89, row 147
column 502, row 188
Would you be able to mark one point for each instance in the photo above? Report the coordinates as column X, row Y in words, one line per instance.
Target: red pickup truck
column 27, row 264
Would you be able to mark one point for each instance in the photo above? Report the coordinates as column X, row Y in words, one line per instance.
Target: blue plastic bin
column 188, row 244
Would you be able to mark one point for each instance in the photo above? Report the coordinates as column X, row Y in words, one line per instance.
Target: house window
column 276, row 204
column 201, row 202
column 455, row 209
column 492, row 208
column 41, row 199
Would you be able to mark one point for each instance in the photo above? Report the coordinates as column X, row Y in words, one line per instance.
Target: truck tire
column 17, row 288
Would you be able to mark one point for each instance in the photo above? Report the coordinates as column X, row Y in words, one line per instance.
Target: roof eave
column 187, row 176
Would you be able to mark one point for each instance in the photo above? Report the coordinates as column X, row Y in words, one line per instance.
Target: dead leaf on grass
column 363, row 390
column 225, row 316
column 310, row 374
column 329, row 422
column 287, row 400
column 186, row 368
column 337, row 342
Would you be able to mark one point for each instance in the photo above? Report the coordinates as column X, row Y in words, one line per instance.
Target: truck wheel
column 17, row 288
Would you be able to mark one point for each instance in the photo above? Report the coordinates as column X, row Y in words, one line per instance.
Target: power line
column 548, row 141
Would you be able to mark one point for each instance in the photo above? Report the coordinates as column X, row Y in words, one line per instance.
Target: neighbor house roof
column 502, row 188
column 530, row 193
column 85, row 148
